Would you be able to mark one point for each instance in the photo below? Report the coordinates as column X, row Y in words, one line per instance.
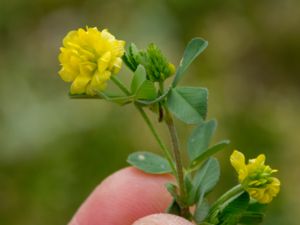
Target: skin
column 128, row 197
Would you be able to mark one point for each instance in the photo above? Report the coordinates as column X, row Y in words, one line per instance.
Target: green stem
column 179, row 167
column 161, row 87
column 148, row 122
column 233, row 192
column 155, row 134
column 120, row 85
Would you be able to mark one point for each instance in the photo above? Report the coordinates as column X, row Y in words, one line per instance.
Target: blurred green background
column 54, row 151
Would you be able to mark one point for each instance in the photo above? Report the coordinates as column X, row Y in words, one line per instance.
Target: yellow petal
column 265, row 199
column 255, row 164
column 275, row 186
column 117, row 64
column 106, row 35
column 237, row 160
column 87, row 69
column 66, row 75
column 103, row 62
column 98, row 82
column 79, row 84
column 118, row 48
column 259, row 161
column 69, row 37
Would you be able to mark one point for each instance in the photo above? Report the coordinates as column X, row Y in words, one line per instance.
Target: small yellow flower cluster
column 256, row 177
column 88, row 58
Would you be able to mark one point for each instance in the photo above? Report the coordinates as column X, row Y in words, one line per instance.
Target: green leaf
column 146, row 91
column 254, row 214
column 174, row 208
column 205, row 180
column 192, row 50
column 149, row 162
column 200, row 138
column 188, row 104
column 158, row 99
column 257, row 207
column 141, row 87
column 138, row 79
column 172, row 189
column 234, row 210
column 251, row 218
column 207, row 153
column 188, row 182
column 122, row 100
column 208, row 176
column 201, row 211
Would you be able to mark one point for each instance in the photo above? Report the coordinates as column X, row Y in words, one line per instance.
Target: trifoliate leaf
column 205, row 180
column 207, row 153
column 146, row 91
column 233, row 212
column 141, row 87
column 192, row 50
column 149, row 162
column 188, row 104
column 200, row 138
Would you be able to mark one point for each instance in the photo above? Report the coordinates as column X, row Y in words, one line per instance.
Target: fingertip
column 162, row 219
column 124, row 197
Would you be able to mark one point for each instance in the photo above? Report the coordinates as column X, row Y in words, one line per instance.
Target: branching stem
column 178, row 167
column 150, row 125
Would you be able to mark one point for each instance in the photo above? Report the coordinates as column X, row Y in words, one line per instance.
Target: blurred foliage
column 54, row 151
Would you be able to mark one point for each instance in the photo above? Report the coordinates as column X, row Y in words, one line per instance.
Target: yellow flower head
column 88, row 58
column 256, row 177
